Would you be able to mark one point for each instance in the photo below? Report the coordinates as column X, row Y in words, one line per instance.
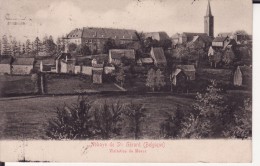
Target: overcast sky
column 58, row 17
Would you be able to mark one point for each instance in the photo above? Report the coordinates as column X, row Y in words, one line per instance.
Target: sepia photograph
column 126, row 76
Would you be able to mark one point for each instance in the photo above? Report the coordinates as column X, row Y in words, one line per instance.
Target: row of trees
column 12, row 47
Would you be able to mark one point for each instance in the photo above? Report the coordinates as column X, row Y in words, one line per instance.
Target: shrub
column 108, row 120
column 135, row 114
column 72, row 122
column 170, row 127
column 241, row 125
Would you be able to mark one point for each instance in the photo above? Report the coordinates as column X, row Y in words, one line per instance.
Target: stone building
column 95, row 38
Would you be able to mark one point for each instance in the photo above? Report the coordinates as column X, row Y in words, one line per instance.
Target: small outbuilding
column 188, row 70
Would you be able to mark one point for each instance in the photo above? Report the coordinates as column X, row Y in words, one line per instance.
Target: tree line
column 9, row 46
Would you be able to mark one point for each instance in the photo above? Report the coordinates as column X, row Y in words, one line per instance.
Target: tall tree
column 108, row 120
column 228, row 57
column 109, row 44
column 72, row 47
column 14, row 47
column 205, row 120
column 83, row 49
column 28, row 48
column 159, row 79
column 136, row 115
column 6, row 47
column 120, row 75
column 150, row 80
column 37, row 44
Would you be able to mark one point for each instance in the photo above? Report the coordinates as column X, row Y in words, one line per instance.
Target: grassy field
column 27, row 118
column 64, row 84
column 70, row 86
column 11, row 85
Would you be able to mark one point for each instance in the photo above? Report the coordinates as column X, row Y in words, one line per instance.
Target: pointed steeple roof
column 209, row 10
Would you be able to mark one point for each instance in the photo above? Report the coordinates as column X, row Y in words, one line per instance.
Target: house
column 5, row 65
column 83, row 65
column 159, row 36
column 220, row 42
column 23, row 66
column 95, row 38
column 178, row 77
column 188, row 70
column 116, row 55
column 187, row 37
column 65, row 63
column 75, row 36
column 197, row 42
column 239, row 37
column 97, row 76
column 158, row 56
column 228, row 54
column 243, row 76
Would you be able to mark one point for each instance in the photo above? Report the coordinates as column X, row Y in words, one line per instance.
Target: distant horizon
column 57, row 18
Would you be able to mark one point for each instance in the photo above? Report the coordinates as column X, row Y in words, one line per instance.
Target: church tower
column 209, row 22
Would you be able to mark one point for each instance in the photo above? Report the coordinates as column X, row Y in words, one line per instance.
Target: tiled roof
column 158, row 55
column 187, row 67
column 219, row 39
column 206, row 38
column 191, row 34
column 157, row 35
column 24, row 61
column 63, row 56
column 195, row 38
column 225, row 34
column 92, row 32
column 176, row 72
column 76, row 33
column 119, row 53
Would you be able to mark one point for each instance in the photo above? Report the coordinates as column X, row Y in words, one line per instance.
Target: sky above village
column 58, row 17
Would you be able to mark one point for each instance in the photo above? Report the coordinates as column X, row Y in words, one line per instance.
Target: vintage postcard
column 126, row 81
